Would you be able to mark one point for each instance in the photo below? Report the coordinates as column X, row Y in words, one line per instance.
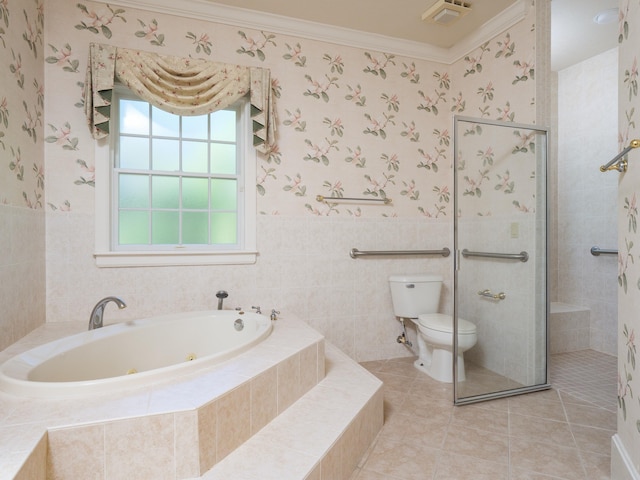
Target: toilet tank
column 413, row 295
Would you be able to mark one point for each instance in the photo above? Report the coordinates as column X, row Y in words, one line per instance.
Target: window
column 177, row 189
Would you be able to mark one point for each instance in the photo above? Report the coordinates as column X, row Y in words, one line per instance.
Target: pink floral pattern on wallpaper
column 372, row 122
column 22, row 104
column 628, row 264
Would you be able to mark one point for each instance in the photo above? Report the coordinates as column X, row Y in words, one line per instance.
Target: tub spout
column 95, row 321
column 222, row 294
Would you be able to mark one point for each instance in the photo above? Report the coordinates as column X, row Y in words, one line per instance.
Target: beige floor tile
column 546, row 458
column 427, row 387
column 550, row 410
column 540, row 429
column 546, row 435
column 368, row 475
column 489, row 446
column 520, row 474
column 480, row 418
column 430, row 407
column 404, row 461
column 394, row 382
column 425, row 432
column 591, row 416
column 593, row 440
column 598, row 467
column 460, row 467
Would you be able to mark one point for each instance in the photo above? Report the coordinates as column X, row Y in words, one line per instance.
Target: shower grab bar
column 355, row 253
column 597, row 251
column 522, row 256
column 489, row 294
column 616, row 163
column 321, row 198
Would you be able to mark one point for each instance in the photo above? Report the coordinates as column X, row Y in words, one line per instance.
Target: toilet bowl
column 416, row 297
column 435, row 345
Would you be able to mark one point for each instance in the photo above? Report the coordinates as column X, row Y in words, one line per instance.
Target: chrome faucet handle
column 257, row 309
column 274, row 314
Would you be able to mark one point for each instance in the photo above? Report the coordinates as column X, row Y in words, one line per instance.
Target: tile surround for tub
column 175, row 409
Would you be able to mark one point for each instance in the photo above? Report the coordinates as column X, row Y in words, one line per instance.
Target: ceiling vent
column 446, row 12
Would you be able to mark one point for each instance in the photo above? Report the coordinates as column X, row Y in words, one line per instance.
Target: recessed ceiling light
column 606, row 16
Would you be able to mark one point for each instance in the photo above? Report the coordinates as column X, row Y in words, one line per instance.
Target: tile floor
column 555, row 434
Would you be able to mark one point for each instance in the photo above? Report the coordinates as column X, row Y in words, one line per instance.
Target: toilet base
column 440, row 366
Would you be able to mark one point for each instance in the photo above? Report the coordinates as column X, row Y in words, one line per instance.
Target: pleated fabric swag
column 179, row 85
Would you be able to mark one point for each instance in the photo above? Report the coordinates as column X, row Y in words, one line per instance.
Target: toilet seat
column 444, row 323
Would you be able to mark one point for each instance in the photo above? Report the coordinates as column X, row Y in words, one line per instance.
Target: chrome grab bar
column 522, row 256
column 322, row 198
column 597, row 251
column 495, row 296
column 355, row 253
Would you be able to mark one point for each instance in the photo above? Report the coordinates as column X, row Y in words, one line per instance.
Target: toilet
column 417, row 297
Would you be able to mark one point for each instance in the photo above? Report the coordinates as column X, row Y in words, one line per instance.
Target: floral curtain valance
column 182, row 86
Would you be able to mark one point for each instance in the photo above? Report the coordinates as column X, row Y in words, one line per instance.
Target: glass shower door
column 500, row 238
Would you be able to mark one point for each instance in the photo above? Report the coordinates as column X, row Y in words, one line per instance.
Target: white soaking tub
column 132, row 354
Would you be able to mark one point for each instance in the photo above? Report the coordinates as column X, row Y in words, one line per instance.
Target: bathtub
column 132, row 354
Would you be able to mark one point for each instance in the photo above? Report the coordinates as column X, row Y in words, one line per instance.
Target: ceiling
column 574, row 35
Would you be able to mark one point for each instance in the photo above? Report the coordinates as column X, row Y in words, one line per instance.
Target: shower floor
column 587, row 375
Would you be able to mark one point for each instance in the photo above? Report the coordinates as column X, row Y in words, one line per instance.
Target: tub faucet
column 222, row 294
column 95, row 321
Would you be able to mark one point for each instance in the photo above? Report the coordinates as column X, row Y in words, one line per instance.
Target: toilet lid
column 416, row 278
column 444, row 323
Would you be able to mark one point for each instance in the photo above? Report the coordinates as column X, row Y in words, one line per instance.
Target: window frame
column 108, row 255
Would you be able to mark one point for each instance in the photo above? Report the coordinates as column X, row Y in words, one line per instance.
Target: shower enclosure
column 500, row 240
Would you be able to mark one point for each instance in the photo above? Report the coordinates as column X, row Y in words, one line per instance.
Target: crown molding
column 241, row 17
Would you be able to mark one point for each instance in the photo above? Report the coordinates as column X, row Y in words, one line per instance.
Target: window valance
column 182, row 86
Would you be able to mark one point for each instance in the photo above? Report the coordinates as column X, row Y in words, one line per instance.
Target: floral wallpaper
column 351, row 122
column 356, row 123
column 22, row 286
column 22, row 104
column 628, row 240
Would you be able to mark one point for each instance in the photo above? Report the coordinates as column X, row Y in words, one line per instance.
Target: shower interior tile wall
column 502, row 332
column 587, row 138
column 303, row 267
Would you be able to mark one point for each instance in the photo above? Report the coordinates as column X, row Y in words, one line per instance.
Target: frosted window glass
column 223, row 159
column 195, row 228
column 195, row 193
column 166, row 155
column 195, row 127
column 223, row 126
column 134, row 117
column 224, row 228
column 134, row 153
column 194, row 157
column 165, row 228
column 165, row 192
column 223, row 194
column 164, row 124
column 133, row 191
column 133, row 228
